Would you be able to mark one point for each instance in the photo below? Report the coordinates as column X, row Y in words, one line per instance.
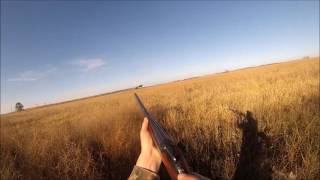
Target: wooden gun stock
column 171, row 168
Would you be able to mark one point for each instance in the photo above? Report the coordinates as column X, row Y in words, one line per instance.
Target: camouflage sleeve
column 139, row 173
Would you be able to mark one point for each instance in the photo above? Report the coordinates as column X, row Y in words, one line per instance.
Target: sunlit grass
column 97, row 138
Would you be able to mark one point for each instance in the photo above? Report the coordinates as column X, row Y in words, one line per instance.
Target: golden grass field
column 98, row 137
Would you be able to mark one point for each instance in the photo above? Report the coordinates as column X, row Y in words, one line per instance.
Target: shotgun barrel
column 171, row 155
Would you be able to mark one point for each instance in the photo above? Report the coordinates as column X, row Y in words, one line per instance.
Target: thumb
column 145, row 124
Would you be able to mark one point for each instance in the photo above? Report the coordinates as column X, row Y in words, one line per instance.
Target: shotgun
column 171, row 155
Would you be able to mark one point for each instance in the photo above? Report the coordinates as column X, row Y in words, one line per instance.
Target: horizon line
column 153, row 84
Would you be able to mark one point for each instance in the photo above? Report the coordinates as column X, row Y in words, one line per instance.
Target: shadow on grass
column 109, row 164
column 207, row 156
column 101, row 160
column 253, row 161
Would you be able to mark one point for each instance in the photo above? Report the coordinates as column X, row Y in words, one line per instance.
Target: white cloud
column 89, row 64
column 31, row 75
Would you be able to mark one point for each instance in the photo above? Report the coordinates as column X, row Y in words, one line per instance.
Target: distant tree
column 19, row 107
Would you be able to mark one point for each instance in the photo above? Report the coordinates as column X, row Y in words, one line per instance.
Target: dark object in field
column 140, row 86
column 171, row 155
column 19, row 107
column 253, row 161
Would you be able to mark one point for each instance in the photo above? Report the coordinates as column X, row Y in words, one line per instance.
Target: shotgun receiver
column 171, row 156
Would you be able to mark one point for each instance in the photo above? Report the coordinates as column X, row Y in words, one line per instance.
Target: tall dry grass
column 97, row 138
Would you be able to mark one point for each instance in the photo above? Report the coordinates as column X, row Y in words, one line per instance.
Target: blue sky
column 54, row 50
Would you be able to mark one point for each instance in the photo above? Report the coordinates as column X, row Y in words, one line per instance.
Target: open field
column 97, row 138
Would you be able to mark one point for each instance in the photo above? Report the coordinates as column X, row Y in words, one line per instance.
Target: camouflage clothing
column 139, row 173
